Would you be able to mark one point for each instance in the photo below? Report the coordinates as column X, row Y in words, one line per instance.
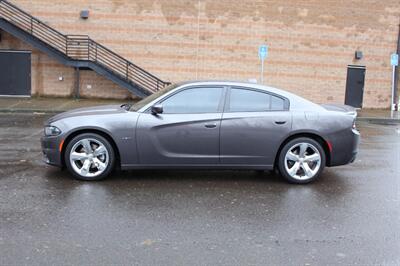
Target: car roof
column 296, row 102
column 236, row 83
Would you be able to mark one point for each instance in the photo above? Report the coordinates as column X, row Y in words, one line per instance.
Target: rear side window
column 195, row 100
column 243, row 100
column 277, row 104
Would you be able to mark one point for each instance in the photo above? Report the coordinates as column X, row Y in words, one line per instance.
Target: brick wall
column 311, row 42
column 46, row 74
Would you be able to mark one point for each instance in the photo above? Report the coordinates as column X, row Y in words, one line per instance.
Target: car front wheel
column 89, row 157
column 301, row 160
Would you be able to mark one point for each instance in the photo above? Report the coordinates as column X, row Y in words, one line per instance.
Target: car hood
column 96, row 110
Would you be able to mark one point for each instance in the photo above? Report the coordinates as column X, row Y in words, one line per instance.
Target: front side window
column 152, row 97
column 194, row 100
column 243, row 100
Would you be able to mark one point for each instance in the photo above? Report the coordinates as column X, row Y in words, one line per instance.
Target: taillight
column 354, row 124
column 329, row 146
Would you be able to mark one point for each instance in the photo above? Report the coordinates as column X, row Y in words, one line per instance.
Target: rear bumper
column 50, row 149
column 353, row 158
column 344, row 147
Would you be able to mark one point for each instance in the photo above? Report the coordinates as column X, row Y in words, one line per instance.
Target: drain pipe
column 396, row 77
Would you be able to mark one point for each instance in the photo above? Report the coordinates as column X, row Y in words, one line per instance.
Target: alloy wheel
column 89, row 157
column 302, row 161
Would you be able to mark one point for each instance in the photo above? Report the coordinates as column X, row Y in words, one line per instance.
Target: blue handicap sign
column 394, row 60
column 263, row 51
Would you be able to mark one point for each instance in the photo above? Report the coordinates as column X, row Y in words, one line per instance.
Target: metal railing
column 80, row 47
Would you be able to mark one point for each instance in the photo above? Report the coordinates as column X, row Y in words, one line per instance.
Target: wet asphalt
column 349, row 216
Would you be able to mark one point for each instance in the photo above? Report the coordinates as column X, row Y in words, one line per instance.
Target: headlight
column 52, row 131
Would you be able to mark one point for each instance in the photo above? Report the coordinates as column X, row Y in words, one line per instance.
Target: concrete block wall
column 311, row 42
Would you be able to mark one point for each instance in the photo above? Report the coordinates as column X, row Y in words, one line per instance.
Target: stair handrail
column 31, row 17
column 64, row 43
column 31, row 20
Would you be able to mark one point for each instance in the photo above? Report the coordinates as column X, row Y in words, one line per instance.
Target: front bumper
column 50, row 149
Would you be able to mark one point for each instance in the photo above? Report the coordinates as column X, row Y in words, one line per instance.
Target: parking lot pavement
column 349, row 216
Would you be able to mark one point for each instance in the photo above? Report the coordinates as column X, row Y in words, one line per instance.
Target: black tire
column 111, row 156
column 281, row 161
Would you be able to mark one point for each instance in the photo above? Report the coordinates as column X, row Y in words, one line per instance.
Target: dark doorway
column 355, row 86
column 15, row 73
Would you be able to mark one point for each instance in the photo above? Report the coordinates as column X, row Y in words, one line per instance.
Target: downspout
column 396, row 75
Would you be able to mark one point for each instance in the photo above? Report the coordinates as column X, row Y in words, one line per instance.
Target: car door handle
column 210, row 125
column 280, row 122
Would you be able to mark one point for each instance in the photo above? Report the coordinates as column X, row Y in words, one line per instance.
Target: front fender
column 120, row 128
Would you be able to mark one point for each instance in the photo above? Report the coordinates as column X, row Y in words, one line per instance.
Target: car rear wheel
column 301, row 160
column 89, row 157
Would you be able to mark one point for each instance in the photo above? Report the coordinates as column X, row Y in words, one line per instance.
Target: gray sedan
column 205, row 125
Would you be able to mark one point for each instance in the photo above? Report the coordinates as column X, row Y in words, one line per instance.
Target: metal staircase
column 78, row 51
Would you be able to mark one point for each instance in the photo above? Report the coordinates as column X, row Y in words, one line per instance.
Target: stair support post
column 96, row 53
column 77, row 83
column 66, row 46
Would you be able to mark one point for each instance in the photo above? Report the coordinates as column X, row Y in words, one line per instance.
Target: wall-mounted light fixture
column 358, row 55
column 85, row 14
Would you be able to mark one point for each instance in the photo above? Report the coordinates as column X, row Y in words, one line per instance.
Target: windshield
column 152, row 97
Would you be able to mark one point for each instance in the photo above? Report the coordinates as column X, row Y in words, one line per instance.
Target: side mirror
column 157, row 109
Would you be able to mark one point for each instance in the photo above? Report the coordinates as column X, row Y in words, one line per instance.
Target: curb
column 30, row 111
column 377, row 120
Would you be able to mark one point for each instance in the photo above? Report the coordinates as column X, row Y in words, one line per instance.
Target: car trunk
column 341, row 108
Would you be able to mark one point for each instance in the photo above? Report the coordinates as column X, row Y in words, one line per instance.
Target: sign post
column 394, row 61
column 262, row 54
